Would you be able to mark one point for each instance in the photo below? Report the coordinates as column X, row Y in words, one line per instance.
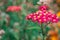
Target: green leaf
column 35, row 2
column 30, row 28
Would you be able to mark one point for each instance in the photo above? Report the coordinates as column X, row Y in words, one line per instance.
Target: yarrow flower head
column 43, row 7
column 13, row 8
column 42, row 17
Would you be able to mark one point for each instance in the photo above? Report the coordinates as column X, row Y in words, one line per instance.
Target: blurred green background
column 17, row 27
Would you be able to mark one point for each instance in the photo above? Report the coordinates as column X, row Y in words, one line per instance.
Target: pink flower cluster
column 42, row 17
column 13, row 8
column 43, row 7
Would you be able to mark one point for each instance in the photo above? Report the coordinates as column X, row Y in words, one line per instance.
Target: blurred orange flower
column 58, row 24
column 58, row 1
column 53, row 35
column 58, row 14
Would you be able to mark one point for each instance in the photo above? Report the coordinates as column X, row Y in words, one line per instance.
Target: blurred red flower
column 13, row 8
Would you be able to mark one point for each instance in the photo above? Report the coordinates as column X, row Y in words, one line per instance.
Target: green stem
column 25, row 29
column 19, row 14
column 42, row 30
